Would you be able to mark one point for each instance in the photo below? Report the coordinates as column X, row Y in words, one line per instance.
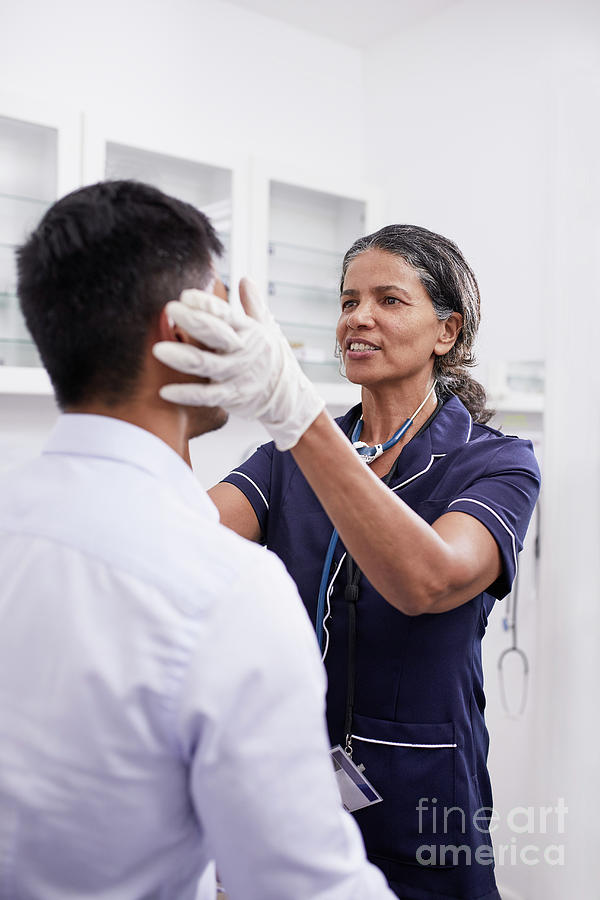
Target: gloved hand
column 251, row 366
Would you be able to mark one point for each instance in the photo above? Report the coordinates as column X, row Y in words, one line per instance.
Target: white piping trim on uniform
column 329, row 589
column 470, row 429
column 494, row 513
column 235, row 472
column 357, row 737
column 328, row 612
column 426, row 469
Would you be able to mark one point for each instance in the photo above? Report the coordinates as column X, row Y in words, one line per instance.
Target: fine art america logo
column 522, row 822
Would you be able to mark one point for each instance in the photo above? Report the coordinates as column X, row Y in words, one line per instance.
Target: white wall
column 465, row 103
column 568, row 725
column 485, row 123
column 190, row 65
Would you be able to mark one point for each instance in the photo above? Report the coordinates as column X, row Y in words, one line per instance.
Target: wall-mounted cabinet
column 300, row 231
column 207, row 177
column 517, row 386
column 516, row 391
column 206, row 187
column 288, row 230
column 39, row 160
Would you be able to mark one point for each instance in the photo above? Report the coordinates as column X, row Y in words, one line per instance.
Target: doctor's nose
column 360, row 317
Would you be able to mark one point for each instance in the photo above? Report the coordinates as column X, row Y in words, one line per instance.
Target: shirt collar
column 450, row 428
column 103, row 437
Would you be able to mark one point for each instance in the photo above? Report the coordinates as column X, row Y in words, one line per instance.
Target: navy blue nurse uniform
column 418, row 723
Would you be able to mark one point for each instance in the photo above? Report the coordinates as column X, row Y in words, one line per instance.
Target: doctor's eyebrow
column 349, row 292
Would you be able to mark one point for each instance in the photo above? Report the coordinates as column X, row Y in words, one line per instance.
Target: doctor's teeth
column 356, row 346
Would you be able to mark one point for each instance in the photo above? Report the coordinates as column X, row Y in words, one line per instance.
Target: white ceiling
column 354, row 22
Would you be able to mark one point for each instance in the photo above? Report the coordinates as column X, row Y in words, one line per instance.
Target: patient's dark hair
column 94, row 275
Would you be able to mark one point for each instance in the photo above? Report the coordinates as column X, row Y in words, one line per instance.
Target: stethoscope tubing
column 363, row 451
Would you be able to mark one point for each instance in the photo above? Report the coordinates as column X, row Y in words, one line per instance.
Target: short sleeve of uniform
column 253, row 478
column 503, row 498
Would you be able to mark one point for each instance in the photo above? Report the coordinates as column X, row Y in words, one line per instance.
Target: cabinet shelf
column 24, row 380
column 207, row 187
column 311, row 334
column 20, row 341
column 517, row 402
column 291, row 290
column 18, row 351
column 313, row 347
column 37, row 201
column 322, row 329
column 303, row 268
column 301, row 253
column 18, row 217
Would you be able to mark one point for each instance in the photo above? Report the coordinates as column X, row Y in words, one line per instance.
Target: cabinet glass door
column 208, row 188
column 28, row 178
column 309, row 232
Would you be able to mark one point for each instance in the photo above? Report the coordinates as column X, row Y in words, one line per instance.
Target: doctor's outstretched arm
column 417, row 567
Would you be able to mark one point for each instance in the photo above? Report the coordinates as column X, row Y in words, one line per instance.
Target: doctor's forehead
column 379, row 271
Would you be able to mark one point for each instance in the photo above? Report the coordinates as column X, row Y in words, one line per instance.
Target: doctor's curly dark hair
column 452, row 287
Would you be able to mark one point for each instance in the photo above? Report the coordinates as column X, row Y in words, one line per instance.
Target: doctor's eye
column 348, row 303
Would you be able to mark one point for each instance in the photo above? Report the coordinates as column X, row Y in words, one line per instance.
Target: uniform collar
column 450, row 428
column 103, row 437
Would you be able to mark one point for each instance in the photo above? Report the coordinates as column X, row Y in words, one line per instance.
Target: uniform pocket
column 413, row 767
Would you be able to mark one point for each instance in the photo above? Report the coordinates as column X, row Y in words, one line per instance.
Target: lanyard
column 351, row 593
column 351, row 597
column 368, row 454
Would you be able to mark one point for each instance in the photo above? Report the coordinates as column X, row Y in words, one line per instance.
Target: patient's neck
column 168, row 422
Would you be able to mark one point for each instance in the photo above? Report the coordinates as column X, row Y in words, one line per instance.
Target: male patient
column 161, row 695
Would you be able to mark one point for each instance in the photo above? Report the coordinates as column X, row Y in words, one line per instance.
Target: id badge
column 356, row 791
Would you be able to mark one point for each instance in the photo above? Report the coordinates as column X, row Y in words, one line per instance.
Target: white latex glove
column 252, row 369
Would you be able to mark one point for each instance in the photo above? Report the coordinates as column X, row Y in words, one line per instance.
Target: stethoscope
column 368, row 455
column 510, row 624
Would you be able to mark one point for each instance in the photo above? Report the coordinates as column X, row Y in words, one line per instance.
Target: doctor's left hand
column 252, row 370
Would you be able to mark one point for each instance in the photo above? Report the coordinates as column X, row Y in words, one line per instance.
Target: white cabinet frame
column 99, row 132
column 263, row 172
column 67, row 123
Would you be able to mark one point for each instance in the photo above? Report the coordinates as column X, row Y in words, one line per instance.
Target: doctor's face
column 387, row 330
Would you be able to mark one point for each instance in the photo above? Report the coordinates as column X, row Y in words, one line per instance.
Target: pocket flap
column 402, row 734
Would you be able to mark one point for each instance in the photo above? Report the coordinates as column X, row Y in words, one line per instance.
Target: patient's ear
column 168, row 330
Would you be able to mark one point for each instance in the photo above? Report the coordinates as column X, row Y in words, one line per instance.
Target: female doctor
column 431, row 507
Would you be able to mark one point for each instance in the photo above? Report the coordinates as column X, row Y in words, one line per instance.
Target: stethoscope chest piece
column 368, row 454
column 520, row 659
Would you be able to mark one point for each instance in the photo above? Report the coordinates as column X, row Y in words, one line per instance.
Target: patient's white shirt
column 161, row 693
